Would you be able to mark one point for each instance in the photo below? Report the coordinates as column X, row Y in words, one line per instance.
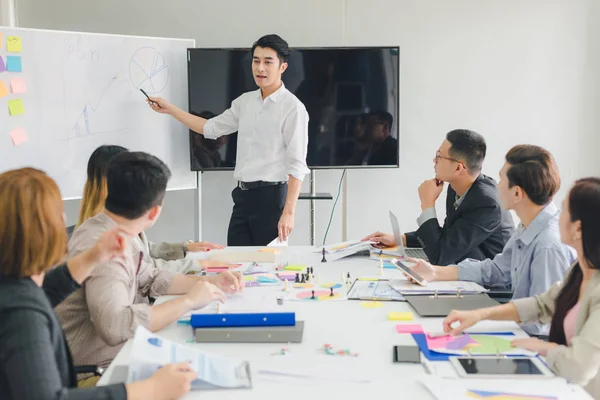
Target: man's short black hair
column 468, row 147
column 276, row 43
column 382, row 117
column 136, row 182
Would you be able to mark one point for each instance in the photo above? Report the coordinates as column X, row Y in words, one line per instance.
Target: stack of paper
column 448, row 287
column 150, row 352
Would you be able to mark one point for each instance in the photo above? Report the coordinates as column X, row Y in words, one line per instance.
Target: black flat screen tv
column 351, row 95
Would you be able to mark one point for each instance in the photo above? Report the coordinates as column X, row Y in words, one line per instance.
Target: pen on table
column 427, row 365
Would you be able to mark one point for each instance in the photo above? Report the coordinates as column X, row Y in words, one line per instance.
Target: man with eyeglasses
column 475, row 227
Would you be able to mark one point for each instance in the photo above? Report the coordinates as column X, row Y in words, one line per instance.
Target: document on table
column 150, row 352
column 449, row 287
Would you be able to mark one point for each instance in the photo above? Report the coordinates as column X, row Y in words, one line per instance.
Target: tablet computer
column 500, row 367
column 405, row 269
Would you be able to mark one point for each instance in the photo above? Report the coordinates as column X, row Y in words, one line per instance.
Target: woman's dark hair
column 584, row 198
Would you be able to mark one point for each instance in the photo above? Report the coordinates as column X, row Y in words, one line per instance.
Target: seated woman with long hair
column 572, row 307
column 35, row 362
column 165, row 255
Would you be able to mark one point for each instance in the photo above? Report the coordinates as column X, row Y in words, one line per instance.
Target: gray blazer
column 580, row 362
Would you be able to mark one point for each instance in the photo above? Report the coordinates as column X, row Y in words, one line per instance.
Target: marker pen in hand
column 148, row 97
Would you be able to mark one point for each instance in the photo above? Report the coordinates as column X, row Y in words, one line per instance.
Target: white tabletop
column 342, row 324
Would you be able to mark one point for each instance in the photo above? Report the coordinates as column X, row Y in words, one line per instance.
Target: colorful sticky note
column 18, row 136
column 400, row 316
column 15, row 107
column 409, row 328
column 17, row 86
column 460, row 342
column 2, row 65
column 3, row 89
column 294, row 267
column 489, row 344
column 13, row 44
column 1, row 40
column 371, row 304
column 13, row 64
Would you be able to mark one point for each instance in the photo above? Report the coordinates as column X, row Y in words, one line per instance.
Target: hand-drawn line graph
column 148, row 70
column 84, row 117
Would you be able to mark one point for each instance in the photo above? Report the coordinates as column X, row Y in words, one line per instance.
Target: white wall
column 517, row 71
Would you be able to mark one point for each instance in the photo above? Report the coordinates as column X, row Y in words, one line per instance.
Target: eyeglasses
column 439, row 157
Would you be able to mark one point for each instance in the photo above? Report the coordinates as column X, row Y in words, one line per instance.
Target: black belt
column 257, row 184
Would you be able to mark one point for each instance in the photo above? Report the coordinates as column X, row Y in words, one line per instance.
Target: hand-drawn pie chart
column 148, row 70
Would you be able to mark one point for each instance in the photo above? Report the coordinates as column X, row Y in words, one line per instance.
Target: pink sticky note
column 409, row 328
column 18, row 136
column 18, row 86
column 438, row 342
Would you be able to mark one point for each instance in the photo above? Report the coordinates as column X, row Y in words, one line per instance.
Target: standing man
column 272, row 126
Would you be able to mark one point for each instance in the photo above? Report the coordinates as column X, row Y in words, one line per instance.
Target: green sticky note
column 491, row 345
column 294, row 267
column 15, row 107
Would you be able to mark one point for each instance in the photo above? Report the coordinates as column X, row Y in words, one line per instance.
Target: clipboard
column 388, row 294
column 440, row 305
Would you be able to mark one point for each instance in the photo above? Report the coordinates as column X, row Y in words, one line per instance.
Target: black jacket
column 477, row 229
column 35, row 362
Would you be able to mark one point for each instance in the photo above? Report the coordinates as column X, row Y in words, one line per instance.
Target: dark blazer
column 477, row 229
column 35, row 362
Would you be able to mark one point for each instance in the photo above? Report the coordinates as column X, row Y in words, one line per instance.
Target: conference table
column 307, row 372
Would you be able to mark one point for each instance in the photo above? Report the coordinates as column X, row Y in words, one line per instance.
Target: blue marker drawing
column 148, row 70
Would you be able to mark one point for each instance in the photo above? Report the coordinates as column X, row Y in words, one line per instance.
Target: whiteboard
column 82, row 91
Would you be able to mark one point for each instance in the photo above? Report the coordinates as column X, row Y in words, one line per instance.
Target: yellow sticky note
column 3, row 89
column 15, row 107
column 294, row 267
column 371, row 304
column 400, row 316
column 13, row 44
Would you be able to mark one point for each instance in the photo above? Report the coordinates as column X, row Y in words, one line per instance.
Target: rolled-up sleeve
column 111, row 304
column 295, row 137
column 224, row 124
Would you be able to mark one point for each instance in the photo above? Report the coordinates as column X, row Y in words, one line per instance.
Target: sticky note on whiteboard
column 15, row 107
column 18, row 136
column 13, row 64
column 3, row 89
column 13, row 44
column 17, row 86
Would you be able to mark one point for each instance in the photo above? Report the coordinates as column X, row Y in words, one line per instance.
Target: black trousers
column 255, row 215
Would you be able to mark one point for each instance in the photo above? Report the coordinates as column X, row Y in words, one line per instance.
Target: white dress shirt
column 272, row 135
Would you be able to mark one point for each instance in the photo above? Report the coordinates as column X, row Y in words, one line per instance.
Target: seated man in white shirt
column 272, row 126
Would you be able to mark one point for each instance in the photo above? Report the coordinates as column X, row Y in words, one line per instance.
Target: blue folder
column 243, row 320
column 434, row 355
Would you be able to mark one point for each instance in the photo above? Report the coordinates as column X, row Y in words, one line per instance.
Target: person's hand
column 160, row 105
column 381, row 239
column 285, row 225
column 429, row 191
column 172, row 381
column 202, row 246
column 111, row 244
column 422, row 268
column 465, row 319
column 229, row 282
column 534, row 344
column 202, row 294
